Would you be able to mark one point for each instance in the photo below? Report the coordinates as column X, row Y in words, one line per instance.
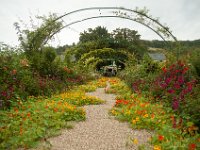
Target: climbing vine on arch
column 105, row 54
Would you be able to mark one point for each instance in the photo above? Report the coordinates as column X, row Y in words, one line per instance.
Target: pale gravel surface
column 100, row 131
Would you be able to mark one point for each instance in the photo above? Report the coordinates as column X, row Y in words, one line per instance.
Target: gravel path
column 100, row 131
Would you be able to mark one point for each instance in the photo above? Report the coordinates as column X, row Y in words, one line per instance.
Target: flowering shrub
column 18, row 79
column 174, row 84
column 41, row 117
column 121, row 102
column 38, row 118
column 169, row 132
column 79, row 98
column 93, row 85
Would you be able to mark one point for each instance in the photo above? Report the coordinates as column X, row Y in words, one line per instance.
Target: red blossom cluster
column 174, row 83
column 192, row 146
column 9, row 83
column 121, row 101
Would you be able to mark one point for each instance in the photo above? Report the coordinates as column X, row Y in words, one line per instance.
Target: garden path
column 99, row 131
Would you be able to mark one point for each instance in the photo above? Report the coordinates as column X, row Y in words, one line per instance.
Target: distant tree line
column 162, row 44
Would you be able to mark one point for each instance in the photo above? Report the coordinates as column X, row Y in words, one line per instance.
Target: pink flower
column 4, row 93
column 167, row 81
column 163, row 85
column 177, row 86
column 180, row 79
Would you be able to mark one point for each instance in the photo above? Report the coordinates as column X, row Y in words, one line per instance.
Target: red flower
column 177, row 86
column 160, row 137
column 192, row 146
column 185, row 70
column 29, row 114
column 55, row 109
column 164, row 69
column 175, row 104
column 171, row 91
column 118, row 102
column 167, row 81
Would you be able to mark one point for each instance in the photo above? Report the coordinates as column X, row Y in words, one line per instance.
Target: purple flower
column 182, row 96
column 177, row 86
column 167, row 81
column 180, row 79
column 175, row 104
column 4, row 93
column 163, row 85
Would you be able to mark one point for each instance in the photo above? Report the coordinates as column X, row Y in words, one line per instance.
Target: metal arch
column 78, row 21
column 118, row 8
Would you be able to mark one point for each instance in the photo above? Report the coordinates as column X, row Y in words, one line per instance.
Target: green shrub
column 195, row 61
column 140, row 74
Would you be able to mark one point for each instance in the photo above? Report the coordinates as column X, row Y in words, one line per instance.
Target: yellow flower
column 137, row 119
column 146, row 115
column 156, row 147
column 128, row 112
column 135, row 141
column 134, row 121
column 113, row 112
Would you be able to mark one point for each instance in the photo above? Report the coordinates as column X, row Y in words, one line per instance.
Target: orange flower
column 29, row 114
column 21, row 131
column 59, row 103
column 142, row 105
column 14, row 72
column 160, row 137
column 146, row 115
column 16, row 110
column 55, row 109
column 156, row 147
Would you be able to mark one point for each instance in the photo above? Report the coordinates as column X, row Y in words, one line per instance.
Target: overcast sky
column 182, row 16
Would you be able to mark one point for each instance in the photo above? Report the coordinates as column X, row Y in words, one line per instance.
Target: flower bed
column 170, row 131
column 41, row 117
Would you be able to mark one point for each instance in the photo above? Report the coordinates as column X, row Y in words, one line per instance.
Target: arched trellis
column 96, row 61
column 105, row 54
column 89, row 18
column 141, row 17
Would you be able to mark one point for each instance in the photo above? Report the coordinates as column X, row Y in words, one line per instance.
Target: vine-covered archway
column 57, row 24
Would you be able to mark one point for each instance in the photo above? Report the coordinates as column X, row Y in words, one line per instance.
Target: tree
column 125, row 34
column 99, row 35
column 128, row 39
column 33, row 40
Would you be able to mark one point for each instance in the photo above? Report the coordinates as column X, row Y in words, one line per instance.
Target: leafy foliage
column 99, row 36
column 169, row 131
column 41, row 117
